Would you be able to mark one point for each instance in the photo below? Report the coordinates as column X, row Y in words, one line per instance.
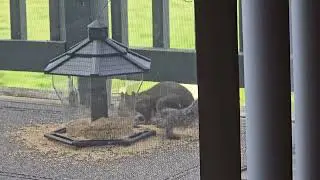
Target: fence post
column 119, row 20
column 18, row 18
column 56, row 17
column 161, row 30
column 68, row 20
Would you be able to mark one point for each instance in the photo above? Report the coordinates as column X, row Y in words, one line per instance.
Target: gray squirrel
column 146, row 104
column 170, row 118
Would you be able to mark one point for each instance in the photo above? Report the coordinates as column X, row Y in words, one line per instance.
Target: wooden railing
column 68, row 21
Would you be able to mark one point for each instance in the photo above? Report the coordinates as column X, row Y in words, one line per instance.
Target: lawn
column 182, row 35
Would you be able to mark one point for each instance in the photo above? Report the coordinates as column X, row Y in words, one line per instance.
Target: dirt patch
column 32, row 138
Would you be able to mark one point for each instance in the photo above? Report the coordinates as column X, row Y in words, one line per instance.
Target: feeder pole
column 98, row 85
column 99, row 11
column 98, row 98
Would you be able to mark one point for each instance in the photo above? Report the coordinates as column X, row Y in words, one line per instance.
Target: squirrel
column 146, row 104
column 170, row 118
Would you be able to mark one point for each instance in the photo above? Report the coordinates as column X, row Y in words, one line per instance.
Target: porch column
column 267, row 83
column 218, row 80
column 306, row 64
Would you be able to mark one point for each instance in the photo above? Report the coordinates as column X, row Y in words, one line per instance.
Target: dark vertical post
column 99, row 11
column 18, row 18
column 98, row 97
column 119, row 19
column 267, row 83
column 218, row 80
column 68, row 20
column 160, row 17
column 98, row 87
column 57, row 19
column 306, row 63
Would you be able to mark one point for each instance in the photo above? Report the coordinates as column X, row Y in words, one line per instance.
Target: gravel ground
column 19, row 163
column 19, row 111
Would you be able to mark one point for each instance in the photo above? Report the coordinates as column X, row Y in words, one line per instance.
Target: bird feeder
column 96, row 58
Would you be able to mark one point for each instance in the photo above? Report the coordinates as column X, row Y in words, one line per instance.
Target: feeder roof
column 98, row 56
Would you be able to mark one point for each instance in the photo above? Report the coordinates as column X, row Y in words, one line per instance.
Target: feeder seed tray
column 58, row 135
